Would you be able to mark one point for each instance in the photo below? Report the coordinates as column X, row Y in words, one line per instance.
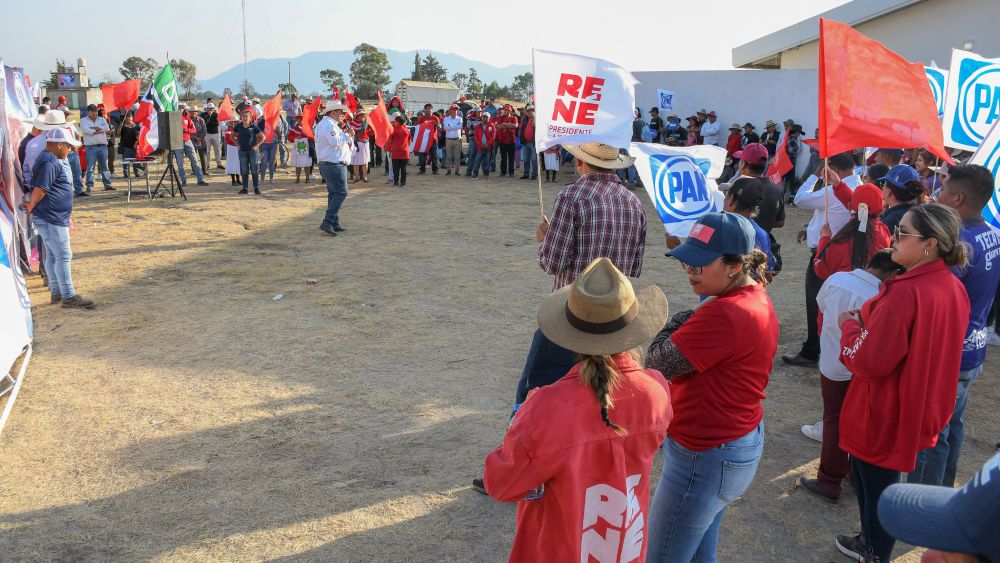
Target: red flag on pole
column 272, row 113
column 226, row 109
column 352, row 102
column 379, row 120
column 336, row 92
column 892, row 108
column 309, row 114
column 780, row 164
column 121, row 95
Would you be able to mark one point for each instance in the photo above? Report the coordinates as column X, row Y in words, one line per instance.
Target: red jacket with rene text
column 399, row 143
column 596, row 495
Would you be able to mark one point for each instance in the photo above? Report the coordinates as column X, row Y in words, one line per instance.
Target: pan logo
column 680, row 186
column 992, row 211
column 936, row 79
column 978, row 100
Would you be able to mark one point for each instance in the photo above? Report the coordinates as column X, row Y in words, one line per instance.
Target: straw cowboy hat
column 50, row 120
column 603, row 312
column 333, row 105
column 600, row 155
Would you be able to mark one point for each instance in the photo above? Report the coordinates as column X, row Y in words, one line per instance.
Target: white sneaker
column 992, row 338
column 813, row 431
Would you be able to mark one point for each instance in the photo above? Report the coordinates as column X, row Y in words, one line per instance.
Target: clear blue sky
column 693, row 35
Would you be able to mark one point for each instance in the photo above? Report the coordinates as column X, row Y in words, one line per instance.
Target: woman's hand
column 853, row 314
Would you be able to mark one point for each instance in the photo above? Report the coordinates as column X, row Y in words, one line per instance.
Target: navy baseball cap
column 900, row 174
column 891, row 152
column 712, row 236
column 963, row 520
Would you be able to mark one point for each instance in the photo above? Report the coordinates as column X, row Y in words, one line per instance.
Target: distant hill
column 266, row 74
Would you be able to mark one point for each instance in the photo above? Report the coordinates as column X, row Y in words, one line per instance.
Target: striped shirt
column 594, row 217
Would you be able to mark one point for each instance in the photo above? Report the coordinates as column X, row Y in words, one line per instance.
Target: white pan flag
column 938, row 80
column 680, row 181
column 581, row 100
column 971, row 100
column 988, row 156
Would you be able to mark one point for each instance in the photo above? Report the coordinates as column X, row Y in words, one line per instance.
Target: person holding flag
column 333, row 153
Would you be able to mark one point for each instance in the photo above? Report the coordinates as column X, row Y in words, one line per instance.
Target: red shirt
column 905, row 364
column 837, row 256
column 508, row 136
column 188, row 127
column 431, row 117
column 485, row 136
column 733, row 143
column 529, row 130
column 596, row 494
column 399, row 143
column 730, row 341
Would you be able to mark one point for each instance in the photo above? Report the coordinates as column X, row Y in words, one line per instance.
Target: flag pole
column 538, row 154
column 826, row 193
column 538, row 168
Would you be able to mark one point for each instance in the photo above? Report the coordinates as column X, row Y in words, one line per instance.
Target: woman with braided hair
column 578, row 452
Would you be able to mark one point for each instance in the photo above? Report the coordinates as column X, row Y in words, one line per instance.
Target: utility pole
column 244, row 4
column 289, row 78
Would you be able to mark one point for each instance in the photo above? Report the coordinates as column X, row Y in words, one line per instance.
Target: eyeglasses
column 900, row 233
column 696, row 270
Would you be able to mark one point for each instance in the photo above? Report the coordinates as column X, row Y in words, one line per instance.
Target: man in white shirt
column 710, row 130
column 95, row 142
column 841, row 292
column 333, row 153
column 452, row 140
column 817, row 197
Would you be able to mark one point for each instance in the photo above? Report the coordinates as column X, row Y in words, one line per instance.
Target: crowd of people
column 901, row 292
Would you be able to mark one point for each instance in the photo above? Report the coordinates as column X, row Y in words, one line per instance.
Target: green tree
column 461, row 81
column 330, row 77
column 493, row 90
column 139, row 68
column 418, row 72
column 433, row 71
column 287, row 89
column 522, row 87
column 186, row 75
column 369, row 71
column 475, row 85
column 247, row 89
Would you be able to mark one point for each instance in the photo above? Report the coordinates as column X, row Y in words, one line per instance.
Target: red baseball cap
column 754, row 153
column 870, row 195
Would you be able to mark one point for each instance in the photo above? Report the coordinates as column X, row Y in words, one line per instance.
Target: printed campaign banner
column 581, row 100
column 988, row 156
column 665, row 99
column 971, row 99
column 15, row 307
column 680, row 181
column 938, row 79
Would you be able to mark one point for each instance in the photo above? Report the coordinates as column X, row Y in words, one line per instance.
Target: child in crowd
column 551, row 156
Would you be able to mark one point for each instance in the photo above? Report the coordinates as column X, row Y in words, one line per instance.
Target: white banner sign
column 581, row 100
column 988, row 156
column 680, row 181
column 665, row 99
column 938, row 79
column 15, row 308
column 971, row 99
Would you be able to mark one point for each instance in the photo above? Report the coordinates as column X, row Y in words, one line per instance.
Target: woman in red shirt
column 578, row 452
column 903, row 348
column 854, row 244
column 360, row 156
column 733, row 142
column 399, row 151
column 718, row 360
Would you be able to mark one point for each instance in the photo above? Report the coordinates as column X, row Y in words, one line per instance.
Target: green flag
column 164, row 90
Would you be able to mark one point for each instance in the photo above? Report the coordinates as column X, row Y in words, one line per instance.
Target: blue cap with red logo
column 900, row 175
column 714, row 235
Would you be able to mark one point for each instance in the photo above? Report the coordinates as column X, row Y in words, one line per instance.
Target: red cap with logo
column 754, row 153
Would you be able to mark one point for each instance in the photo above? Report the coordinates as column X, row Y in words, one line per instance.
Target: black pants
column 376, row 153
column 399, row 171
column 869, row 483
column 203, row 157
column 507, row 159
column 434, row 160
column 810, row 348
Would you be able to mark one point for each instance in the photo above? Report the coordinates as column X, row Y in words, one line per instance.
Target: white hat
column 50, row 120
column 61, row 135
column 209, row 105
column 334, row 105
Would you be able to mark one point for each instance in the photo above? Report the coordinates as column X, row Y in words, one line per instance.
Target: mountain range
column 266, row 74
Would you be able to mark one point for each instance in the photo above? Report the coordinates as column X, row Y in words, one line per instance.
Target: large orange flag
column 121, row 95
column 309, row 114
column 226, row 109
column 871, row 97
column 272, row 113
column 379, row 120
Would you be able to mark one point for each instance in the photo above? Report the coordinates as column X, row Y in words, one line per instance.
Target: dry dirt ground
column 193, row 417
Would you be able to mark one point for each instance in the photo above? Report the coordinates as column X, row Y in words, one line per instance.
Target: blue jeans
column 129, row 153
column 248, row 166
column 546, row 363
column 58, row 255
column 529, row 160
column 869, row 483
column 268, row 152
column 686, row 512
column 179, row 155
column 938, row 465
column 97, row 155
column 74, row 165
column 482, row 160
column 470, row 159
column 335, row 176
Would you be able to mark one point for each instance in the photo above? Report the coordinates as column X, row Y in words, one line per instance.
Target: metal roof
column 421, row 84
column 806, row 31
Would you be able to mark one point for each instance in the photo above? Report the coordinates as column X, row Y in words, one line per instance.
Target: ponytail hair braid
column 599, row 373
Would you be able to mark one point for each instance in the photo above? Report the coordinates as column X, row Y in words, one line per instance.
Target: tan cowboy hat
column 603, row 312
column 50, row 120
column 333, row 105
column 601, row 155
column 769, row 123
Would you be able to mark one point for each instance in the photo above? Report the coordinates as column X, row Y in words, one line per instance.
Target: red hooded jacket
column 485, row 136
column 188, row 127
column 596, row 496
column 836, row 257
column 399, row 143
column 905, row 357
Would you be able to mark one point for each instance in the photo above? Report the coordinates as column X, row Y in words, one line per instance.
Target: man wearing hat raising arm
column 710, row 130
column 50, row 205
column 333, row 152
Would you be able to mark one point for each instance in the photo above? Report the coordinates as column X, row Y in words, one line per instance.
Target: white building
column 414, row 94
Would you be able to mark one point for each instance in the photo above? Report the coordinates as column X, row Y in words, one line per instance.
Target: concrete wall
column 924, row 32
column 736, row 95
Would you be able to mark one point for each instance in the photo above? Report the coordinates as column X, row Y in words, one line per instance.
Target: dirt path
column 193, row 417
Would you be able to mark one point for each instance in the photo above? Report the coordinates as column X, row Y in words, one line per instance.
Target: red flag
column 352, row 103
column 272, row 113
column 379, row 120
column 814, row 143
column 336, row 92
column 226, row 109
column 780, row 164
column 892, row 108
column 309, row 114
column 121, row 95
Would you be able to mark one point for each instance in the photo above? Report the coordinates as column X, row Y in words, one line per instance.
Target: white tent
column 414, row 94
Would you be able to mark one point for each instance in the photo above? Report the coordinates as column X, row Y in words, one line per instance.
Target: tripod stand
column 172, row 171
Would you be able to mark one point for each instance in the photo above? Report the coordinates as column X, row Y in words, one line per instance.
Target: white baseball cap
column 61, row 135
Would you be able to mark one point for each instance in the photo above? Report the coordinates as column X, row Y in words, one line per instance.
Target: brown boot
column 78, row 302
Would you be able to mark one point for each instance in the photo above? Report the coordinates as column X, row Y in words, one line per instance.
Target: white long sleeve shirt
column 87, row 125
column 843, row 291
column 452, row 127
column 816, row 200
column 332, row 144
column 710, row 132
